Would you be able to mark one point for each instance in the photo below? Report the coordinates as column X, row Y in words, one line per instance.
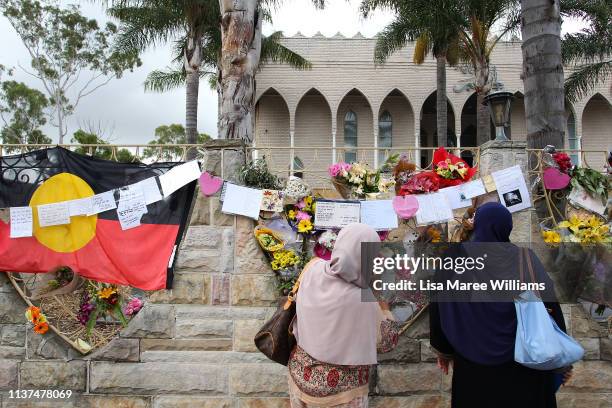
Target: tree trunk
column 483, row 117
column 543, row 73
column 240, row 53
column 60, row 118
column 441, row 103
column 192, row 61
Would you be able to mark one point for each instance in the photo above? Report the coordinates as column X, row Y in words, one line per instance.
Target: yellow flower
column 304, row 226
column 573, row 224
column 291, row 214
column 274, row 265
column 551, row 237
column 107, row 292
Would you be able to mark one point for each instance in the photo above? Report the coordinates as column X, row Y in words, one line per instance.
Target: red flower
column 441, row 155
column 424, row 182
column 563, row 161
column 333, row 377
column 307, row 373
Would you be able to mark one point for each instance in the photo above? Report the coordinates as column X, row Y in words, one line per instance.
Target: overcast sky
column 132, row 115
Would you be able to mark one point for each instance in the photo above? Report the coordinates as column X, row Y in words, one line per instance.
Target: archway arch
column 596, row 129
column 272, row 123
column 429, row 131
column 354, row 124
column 395, row 123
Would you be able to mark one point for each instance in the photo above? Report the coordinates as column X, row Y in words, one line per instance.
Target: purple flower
column 301, row 215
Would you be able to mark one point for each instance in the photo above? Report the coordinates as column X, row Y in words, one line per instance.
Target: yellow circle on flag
column 69, row 237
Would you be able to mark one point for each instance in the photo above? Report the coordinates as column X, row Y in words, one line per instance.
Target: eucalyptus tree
column 71, row 55
column 588, row 53
column 426, row 23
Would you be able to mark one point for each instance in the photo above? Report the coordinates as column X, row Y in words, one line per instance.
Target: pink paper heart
column 209, row 184
column 405, row 206
column 555, row 180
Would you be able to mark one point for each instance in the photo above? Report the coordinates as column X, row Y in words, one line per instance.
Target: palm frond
column 422, row 47
column 393, row 37
column 585, row 78
column 273, row 50
column 587, row 46
column 163, row 81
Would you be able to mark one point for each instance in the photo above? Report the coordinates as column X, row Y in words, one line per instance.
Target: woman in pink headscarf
column 338, row 334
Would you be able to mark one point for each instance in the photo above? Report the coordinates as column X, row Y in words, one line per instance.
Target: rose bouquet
column 358, row 179
column 325, row 244
column 450, row 169
column 563, row 161
column 420, row 183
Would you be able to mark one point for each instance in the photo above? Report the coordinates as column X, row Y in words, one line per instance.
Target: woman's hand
column 444, row 363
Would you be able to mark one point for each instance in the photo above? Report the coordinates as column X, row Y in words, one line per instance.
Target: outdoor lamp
column 499, row 103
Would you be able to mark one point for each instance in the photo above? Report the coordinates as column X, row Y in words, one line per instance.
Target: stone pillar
column 417, row 140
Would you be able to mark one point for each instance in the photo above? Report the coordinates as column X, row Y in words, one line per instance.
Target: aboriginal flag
column 93, row 246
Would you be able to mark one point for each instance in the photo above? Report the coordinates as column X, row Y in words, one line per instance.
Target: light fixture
column 499, row 104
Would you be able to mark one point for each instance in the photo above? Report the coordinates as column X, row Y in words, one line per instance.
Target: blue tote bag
column 540, row 344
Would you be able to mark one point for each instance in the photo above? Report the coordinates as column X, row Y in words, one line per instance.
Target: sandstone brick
column 8, row 374
column 157, row 378
column 420, row 328
column 200, row 214
column 251, row 260
column 203, row 261
column 253, row 290
column 53, row 374
column 185, row 344
column 204, row 357
column 413, row 401
column 192, row 312
column 10, row 352
column 155, row 321
column 186, row 288
column 118, row 349
column 12, row 307
column 591, row 348
column 12, row 335
column 258, row 380
column 216, row 216
column 574, row 400
column 111, row 401
column 50, row 347
column 263, row 403
column 410, row 378
column 220, row 290
column 428, row 353
column 590, row 377
column 606, row 349
column 182, row 401
column 202, row 237
column 245, row 331
column 203, row 328
column 583, row 326
column 407, row 351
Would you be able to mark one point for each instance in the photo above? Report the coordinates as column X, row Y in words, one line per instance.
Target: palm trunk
column 241, row 47
column 441, row 104
column 543, row 73
column 192, row 61
column 483, row 118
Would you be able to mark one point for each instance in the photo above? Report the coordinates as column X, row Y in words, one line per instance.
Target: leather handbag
column 540, row 344
column 275, row 339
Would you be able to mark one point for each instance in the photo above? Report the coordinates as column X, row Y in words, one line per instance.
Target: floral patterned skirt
column 358, row 402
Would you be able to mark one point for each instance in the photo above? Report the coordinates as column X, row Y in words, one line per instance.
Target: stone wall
column 192, row 346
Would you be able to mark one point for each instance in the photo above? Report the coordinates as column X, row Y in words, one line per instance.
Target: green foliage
column 170, row 135
column 257, row 175
column 592, row 181
column 66, row 48
column 22, row 110
column 107, row 153
column 588, row 52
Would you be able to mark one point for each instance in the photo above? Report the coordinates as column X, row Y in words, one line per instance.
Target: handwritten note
column 379, row 214
column 81, row 206
column 240, row 200
column 179, row 176
column 130, row 211
column 21, row 222
column 149, row 189
column 53, row 214
column 472, row 189
column 336, row 214
column 579, row 196
column 512, row 189
column 102, row 202
column 456, row 198
column 434, row 208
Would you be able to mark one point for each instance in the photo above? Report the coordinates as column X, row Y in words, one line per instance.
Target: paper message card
column 579, row 196
column 472, row 189
column 242, row 201
column 81, row 206
column 130, row 211
column 179, row 176
column 455, row 197
column 53, row 214
column 272, row 201
column 512, row 189
column 103, row 202
column 333, row 214
column 21, row 222
column 434, row 208
column 379, row 214
column 149, row 189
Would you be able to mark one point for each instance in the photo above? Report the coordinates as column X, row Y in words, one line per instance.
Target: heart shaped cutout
column 555, row 179
column 405, row 206
column 210, row 184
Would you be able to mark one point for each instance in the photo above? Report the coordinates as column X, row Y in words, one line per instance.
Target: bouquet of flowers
column 38, row 319
column 301, row 215
column 563, row 161
column 450, row 169
column 100, row 300
column 420, row 183
column 325, row 244
column 402, row 171
column 358, row 179
column 579, row 229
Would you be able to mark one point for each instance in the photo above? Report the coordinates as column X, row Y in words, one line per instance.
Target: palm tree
column 194, row 28
column 587, row 52
column 425, row 23
column 543, row 76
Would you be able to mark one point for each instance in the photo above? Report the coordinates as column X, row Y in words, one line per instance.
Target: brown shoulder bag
column 275, row 339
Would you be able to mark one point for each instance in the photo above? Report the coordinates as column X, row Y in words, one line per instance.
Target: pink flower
column 133, row 306
column 301, row 204
column 338, row 169
column 301, row 215
column 443, row 165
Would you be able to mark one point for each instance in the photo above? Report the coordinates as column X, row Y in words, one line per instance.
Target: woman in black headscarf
column 477, row 338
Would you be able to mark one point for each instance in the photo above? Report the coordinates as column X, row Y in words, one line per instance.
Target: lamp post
column 499, row 103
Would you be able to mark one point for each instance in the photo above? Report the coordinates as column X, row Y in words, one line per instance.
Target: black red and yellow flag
column 93, row 246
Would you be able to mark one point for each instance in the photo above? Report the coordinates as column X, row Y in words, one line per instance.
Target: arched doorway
column 395, row 124
column 518, row 125
column 354, row 128
column 596, row 130
column 429, row 132
column 272, row 129
column 313, row 128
